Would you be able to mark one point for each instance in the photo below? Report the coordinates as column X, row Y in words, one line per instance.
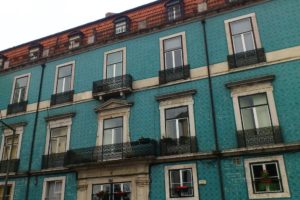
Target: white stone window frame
column 32, row 53
column 72, row 63
column 184, row 48
column 12, row 183
column 28, row 75
column 67, row 122
column 109, row 114
column 123, row 49
column 174, row 103
column 45, row 183
column 253, row 89
column 195, row 181
column 282, row 171
column 256, row 36
column 8, row 132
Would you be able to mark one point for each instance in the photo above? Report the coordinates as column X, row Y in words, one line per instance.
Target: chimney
column 108, row 14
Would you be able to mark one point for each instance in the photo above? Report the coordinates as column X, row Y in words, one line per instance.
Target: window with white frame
column 2, row 60
column 20, row 89
column 113, row 131
column 173, row 51
column 114, row 63
column 174, row 10
column 58, row 136
column 11, row 145
column 121, row 25
column 64, row 78
column 177, row 122
column 74, row 41
column 34, row 53
column 266, row 178
column 242, row 34
column 54, row 188
column 181, row 182
column 177, row 117
column 9, row 191
column 111, row 191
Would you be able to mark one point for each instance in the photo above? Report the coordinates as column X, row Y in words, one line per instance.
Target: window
column 181, row 182
column 113, row 131
column 242, row 34
column 2, row 60
column 255, row 111
column 177, row 122
column 173, row 51
column 58, row 136
column 9, row 191
column 115, row 63
column 75, row 39
column 174, row 10
column 266, row 178
column 34, row 54
column 53, row 188
column 122, row 25
column 64, row 78
column 112, row 191
column 11, row 146
column 20, row 89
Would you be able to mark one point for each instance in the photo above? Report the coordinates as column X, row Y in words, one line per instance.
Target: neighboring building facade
column 178, row 99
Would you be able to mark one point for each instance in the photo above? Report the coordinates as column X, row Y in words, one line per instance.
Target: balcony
column 17, row 107
column 61, row 98
column 246, row 58
column 258, row 137
column 13, row 165
column 116, row 86
column 170, row 146
column 122, row 151
column 173, row 74
column 53, row 160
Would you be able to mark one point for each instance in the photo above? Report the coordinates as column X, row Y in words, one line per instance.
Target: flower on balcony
column 181, row 188
column 120, row 194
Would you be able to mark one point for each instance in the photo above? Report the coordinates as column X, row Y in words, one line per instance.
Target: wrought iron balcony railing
column 13, row 165
column 258, row 137
column 62, row 98
column 173, row 74
column 170, row 146
column 104, row 153
column 246, row 58
column 113, row 85
column 53, row 160
column 17, row 107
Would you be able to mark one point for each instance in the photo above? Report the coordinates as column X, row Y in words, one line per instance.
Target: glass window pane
column 169, row 63
column 114, row 57
column 108, row 137
column 257, row 170
column 238, row 44
column 183, row 127
column 111, row 123
column 249, row 41
column 67, row 84
column 175, row 113
column 248, row 118
column 275, row 186
column 186, row 176
column 175, row 176
column 61, row 131
column 253, row 100
column 110, row 71
column 272, row 169
column 21, row 82
column 172, row 43
column 263, row 117
column 178, row 58
column 65, row 71
column 240, row 26
column 118, row 70
column 171, row 129
column 59, row 88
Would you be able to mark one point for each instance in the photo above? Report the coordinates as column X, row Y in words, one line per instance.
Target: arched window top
column 122, row 24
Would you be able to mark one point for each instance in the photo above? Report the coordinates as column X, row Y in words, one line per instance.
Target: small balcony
column 17, row 107
column 117, row 86
column 183, row 145
column 13, row 165
column 259, row 137
column 61, row 98
column 122, row 151
column 53, row 160
column 246, row 58
column 173, row 74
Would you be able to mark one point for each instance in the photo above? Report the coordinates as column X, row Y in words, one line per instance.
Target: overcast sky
column 26, row 20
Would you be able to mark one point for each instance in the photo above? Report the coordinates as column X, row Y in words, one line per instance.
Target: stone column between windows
column 142, row 187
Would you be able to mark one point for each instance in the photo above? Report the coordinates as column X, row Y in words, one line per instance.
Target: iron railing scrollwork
column 170, row 146
column 13, row 166
column 17, row 107
column 62, row 97
column 246, row 58
column 173, row 74
column 258, row 137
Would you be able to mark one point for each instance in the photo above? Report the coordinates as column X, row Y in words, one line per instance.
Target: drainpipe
column 34, row 131
column 9, row 159
column 212, row 104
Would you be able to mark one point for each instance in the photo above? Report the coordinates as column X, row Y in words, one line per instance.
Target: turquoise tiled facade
column 278, row 26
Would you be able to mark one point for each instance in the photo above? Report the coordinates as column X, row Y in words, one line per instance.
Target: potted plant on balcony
column 121, row 194
column 265, row 178
column 103, row 195
column 180, row 189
